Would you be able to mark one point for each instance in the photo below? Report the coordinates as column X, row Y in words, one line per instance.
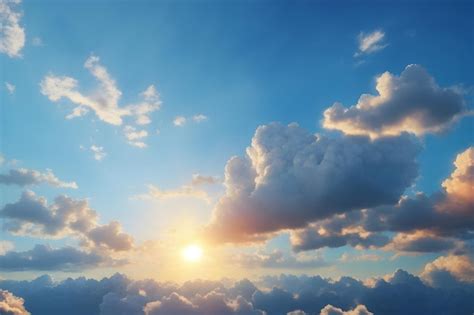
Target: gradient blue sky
column 240, row 63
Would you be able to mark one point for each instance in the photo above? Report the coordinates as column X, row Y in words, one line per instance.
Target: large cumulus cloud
column 411, row 102
column 439, row 222
column 291, row 177
column 400, row 293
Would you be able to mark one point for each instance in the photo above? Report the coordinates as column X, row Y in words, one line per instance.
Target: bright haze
column 236, row 157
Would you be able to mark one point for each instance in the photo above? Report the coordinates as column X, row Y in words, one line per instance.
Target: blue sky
column 241, row 64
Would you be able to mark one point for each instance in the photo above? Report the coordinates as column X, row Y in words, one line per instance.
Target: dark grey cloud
column 435, row 223
column 32, row 215
column 43, row 257
column 26, row 177
column 275, row 295
column 411, row 102
column 291, row 177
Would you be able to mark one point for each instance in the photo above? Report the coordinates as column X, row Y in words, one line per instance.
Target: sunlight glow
column 192, row 253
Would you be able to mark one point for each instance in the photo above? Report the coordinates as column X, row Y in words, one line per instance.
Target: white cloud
column 99, row 153
column 10, row 88
column 12, row 34
column 179, row 121
column 5, row 246
column 371, row 42
column 104, row 101
column 185, row 191
column 199, row 118
column 135, row 137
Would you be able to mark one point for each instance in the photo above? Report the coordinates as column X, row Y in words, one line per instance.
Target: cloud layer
column 26, row 177
column 411, row 102
column 400, row 293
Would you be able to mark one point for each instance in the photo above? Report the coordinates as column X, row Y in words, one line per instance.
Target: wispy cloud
column 12, row 34
column 99, row 153
column 10, row 88
column 370, row 42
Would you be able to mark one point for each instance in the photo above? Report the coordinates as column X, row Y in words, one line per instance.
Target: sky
column 183, row 140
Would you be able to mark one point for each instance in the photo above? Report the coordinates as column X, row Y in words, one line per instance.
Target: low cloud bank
column 400, row 293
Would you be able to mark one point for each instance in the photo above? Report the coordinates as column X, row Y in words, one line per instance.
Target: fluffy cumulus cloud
column 104, row 101
column 411, row 102
column 436, row 223
column 400, row 293
column 98, row 152
column 65, row 217
column 370, row 42
column 291, row 177
column 448, row 271
column 26, row 177
column 12, row 34
column 135, row 137
column 11, row 305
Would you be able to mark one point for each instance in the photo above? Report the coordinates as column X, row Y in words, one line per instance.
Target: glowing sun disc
column 192, row 253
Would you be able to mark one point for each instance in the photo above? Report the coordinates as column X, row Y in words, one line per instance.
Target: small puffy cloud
column 460, row 185
column 10, row 88
column 358, row 310
column 43, row 257
column 447, row 270
column 5, row 246
column 411, row 102
column 66, row 216
column 12, row 34
column 98, row 151
column 199, row 118
column 185, row 191
column 370, row 42
column 104, row 101
column 199, row 179
column 179, row 121
column 135, row 137
column 290, row 178
column 26, row 177
column 11, row 304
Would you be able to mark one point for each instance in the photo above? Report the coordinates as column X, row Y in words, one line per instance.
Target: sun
column 192, row 253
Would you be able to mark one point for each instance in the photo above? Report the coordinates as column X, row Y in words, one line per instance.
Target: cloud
column 290, row 178
column 98, row 151
column 179, row 121
column 185, row 191
column 32, row 215
column 37, row 41
column 43, row 257
column 27, row 177
column 400, row 293
column 10, row 88
column 358, row 310
column 12, row 34
column 345, row 257
column 450, row 270
column 411, row 102
column 199, row 179
column 370, row 43
column 436, row 223
column 104, row 101
column 11, row 305
column 135, row 137
column 199, row 118
column 5, row 246
column 277, row 260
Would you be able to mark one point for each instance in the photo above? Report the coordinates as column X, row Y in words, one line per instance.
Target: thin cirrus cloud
column 10, row 88
column 12, row 33
column 26, row 177
column 185, row 191
column 277, row 295
column 104, row 101
column 411, row 102
column 370, row 42
column 436, row 223
column 180, row 121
